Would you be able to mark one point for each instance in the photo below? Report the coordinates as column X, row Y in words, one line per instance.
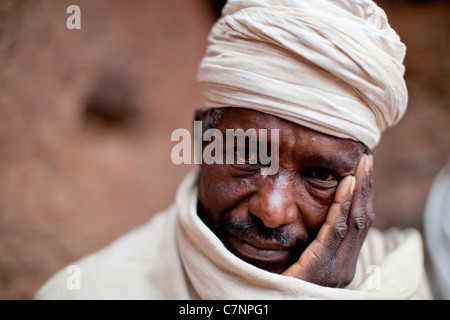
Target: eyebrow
column 341, row 165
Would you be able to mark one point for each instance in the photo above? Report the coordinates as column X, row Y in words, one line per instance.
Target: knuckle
column 346, row 207
column 359, row 223
column 367, row 191
column 340, row 230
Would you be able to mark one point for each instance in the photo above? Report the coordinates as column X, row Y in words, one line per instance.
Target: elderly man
column 328, row 75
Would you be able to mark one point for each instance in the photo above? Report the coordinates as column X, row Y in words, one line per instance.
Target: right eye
column 320, row 173
column 245, row 155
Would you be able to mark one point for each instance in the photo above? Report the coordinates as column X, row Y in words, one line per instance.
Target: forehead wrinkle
column 335, row 153
column 336, row 156
column 297, row 143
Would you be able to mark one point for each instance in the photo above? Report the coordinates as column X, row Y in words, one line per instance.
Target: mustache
column 256, row 228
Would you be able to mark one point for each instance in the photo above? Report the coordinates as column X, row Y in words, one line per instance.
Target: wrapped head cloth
column 335, row 66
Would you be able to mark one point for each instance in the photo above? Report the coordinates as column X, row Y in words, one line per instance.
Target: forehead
column 295, row 139
column 235, row 118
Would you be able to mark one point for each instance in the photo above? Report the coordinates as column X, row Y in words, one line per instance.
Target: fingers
column 334, row 228
column 330, row 259
column 358, row 217
column 312, row 262
column 351, row 212
column 361, row 213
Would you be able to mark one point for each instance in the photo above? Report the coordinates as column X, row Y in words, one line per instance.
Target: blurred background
column 86, row 118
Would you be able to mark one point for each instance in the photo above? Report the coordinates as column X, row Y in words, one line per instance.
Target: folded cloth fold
column 390, row 265
column 331, row 65
column 176, row 256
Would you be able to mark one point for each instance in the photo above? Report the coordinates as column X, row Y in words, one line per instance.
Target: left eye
column 321, row 174
column 246, row 155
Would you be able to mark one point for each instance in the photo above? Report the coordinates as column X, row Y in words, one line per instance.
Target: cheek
column 220, row 192
column 314, row 205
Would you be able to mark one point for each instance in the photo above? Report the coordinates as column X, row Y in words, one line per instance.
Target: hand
column 330, row 260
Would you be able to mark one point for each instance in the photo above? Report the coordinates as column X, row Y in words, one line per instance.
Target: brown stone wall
column 86, row 117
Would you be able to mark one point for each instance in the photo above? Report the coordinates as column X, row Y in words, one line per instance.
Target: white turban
column 334, row 66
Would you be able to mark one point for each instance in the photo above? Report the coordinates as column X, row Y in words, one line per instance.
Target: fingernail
column 353, row 184
column 367, row 164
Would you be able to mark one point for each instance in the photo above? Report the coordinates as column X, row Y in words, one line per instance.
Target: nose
column 274, row 203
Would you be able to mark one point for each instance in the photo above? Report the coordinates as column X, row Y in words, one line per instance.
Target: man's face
column 269, row 220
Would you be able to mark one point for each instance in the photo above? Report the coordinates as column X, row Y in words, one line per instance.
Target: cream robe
column 176, row 256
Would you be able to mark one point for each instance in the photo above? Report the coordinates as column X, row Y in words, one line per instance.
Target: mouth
column 250, row 249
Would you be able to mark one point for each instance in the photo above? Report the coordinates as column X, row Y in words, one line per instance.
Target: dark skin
column 307, row 221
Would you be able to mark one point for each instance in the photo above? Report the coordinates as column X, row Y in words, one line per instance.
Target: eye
column 320, row 173
column 245, row 155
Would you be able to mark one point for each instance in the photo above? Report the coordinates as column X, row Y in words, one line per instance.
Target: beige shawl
column 175, row 256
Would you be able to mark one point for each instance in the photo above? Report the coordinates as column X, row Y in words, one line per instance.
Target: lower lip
column 249, row 251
